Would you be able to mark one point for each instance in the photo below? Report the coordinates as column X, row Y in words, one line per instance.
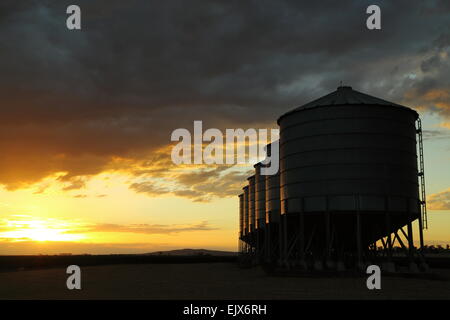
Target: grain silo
column 272, row 216
column 260, row 197
column 348, row 177
column 243, row 237
column 245, row 211
column 241, row 214
column 251, row 204
column 260, row 212
column 241, row 223
column 272, row 196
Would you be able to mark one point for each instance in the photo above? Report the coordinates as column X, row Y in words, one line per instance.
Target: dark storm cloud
column 73, row 101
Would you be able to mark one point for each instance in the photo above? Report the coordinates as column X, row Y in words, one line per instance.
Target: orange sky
column 86, row 116
column 103, row 214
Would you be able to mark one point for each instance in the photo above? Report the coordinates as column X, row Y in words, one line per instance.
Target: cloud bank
column 107, row 97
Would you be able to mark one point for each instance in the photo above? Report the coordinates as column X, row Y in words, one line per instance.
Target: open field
column 20, row 263
column 207, row 281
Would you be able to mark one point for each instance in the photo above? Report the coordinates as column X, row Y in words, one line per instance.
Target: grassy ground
column 207, row 281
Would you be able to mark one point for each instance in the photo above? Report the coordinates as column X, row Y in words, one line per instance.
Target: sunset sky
column 86, row 116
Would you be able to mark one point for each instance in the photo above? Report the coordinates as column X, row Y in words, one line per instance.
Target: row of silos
column 348, row 178
column 260, row 213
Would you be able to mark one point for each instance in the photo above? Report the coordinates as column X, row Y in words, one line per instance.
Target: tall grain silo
column 241, row 223
column 272, row 216
column 241, row 215
column 260, row 197
column 245, row 225
column 348, row 176
column 244, row 241
column 272, row 196
column 260, row 213
column 251, row 204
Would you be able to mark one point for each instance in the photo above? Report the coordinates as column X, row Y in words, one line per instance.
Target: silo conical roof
column 345, row 95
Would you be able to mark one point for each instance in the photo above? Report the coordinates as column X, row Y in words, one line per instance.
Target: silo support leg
column 301, row 240
column 284, row 245
column 400, row 240
column 384, row 246
column 389, row 239
column 421, row 228
column 268, row 240
column 257, row 248
column 412, row 265
column 385, row 253
column 410, row 241
column 308, row 245
column 327, row 234
column 421, row 234
column 329, row 241
column 358, row 240
column 280, row 240
column 410, row 250
column 258, row 245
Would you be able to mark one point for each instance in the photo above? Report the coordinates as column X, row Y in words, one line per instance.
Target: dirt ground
column 207, row 281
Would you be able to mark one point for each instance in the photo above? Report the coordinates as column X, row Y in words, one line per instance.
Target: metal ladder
column 423, row 198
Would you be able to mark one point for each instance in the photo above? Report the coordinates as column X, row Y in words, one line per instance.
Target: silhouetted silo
column 272, row 215
column 241, row 214
column 348, row 173
column 260, row 212
column 272, row 196
column 348, row 179
column 251, row 203
column 260, row 197
column 245, row 226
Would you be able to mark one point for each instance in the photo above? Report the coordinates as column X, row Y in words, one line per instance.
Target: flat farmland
column 220, row 280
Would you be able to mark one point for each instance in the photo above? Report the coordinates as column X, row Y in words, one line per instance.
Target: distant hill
column 193, row 252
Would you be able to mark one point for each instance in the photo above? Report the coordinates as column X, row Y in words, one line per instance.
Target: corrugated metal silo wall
column 241, row 213
column 273, row 198
column 246, row 211
column 251, row 203
column 260, row 197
